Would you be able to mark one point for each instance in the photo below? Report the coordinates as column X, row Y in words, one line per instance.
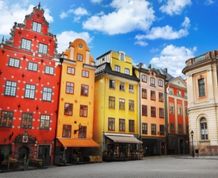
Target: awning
column 76, row 143
column 123, row 138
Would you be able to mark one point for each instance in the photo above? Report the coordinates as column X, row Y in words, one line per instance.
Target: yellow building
column 116, row 120
column 76, row 104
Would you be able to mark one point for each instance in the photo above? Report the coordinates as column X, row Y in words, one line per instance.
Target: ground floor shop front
column 119, row 147
column 154, row 146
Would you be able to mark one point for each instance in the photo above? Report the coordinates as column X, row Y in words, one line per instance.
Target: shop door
column 44, row 154
column 23, row 153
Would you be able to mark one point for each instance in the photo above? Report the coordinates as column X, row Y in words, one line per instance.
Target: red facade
column 29, row 86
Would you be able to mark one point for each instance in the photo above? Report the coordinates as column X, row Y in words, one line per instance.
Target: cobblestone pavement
column 150, row 167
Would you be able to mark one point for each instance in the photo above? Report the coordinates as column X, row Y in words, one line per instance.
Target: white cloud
column 96, row 1
column 15, row 12
column 128, row 15
column 174, row 7
column 209, row 2
column 166, row 32
column 173, row 58
column 68, row 36
column 141, row 43
column 78, row 13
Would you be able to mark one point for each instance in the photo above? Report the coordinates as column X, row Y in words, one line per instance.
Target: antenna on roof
column 39, row 5
column 3, row 39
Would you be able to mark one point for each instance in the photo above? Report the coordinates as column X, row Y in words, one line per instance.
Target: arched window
column 203, row 129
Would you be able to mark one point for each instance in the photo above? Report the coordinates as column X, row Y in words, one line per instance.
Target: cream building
column 202, row 87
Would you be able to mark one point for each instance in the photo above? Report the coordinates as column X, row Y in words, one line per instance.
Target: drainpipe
column 166, row 115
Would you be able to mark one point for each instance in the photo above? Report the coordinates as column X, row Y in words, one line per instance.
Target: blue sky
column 164, row 33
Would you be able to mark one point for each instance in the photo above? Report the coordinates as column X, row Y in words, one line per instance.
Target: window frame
column 14, row 62
column 29, row 120
column 30, row 91
column 26, row 44
column 111, row 124
column 43, row 48
column 37, row 27
column 8, row 120
column 47, row 94
column 84, row 90
column 42, row 124
column 69, row 88
column 10, row 90
column 33, row 65
column 69, row 107
column 83, row 112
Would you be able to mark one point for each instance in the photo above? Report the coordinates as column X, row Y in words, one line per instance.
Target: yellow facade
column 108, row 64
column 74, row 121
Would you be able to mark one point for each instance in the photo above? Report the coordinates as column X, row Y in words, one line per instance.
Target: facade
column 202, row 86
column 116, row 122
column 152, row 88
column 29, row 90
column 177, row 119
column 76, row 105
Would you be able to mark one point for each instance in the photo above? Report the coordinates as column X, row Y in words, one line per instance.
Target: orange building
column 152, row 110
column 76, row 104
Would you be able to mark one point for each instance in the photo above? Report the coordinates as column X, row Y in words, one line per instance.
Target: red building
column 177, row 116
column 29, row 86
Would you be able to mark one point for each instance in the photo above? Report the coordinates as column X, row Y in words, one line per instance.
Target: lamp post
column 193, row 152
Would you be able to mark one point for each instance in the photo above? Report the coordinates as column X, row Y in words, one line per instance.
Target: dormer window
column 127, row 71
column 37, row 27
column 117, row 68
column 122, row 56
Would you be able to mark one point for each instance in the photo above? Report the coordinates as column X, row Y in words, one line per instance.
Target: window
column 180, row 128
column 144, row 78
column 122, row 104
column 131, row 126
column 152, row 81
column 153, row 95
column 26, row 121
column 172, row 127
column 66, row 131
column 6, row 118
column 161, row 129
column 44, row 122
column 179, row 93
column 144, row 93
column 10, row 88
column 153, row 129
column 144, row 110
column 111, row 124
column 71, row 70
column 122, row 86
column 14, row 62
column 46, row 94
column 203, row 129
column 84, row 90
column 126, row 71
column 112, row 84
column 26, row 44
column 161, row 112
column 117, row 68
column 161, row 97
column 85, row 73
column 32, row 66
column 144, row 128
column 186, row 111
column 153, row 111
column 37, row 27
column 79, row 57
column 201, row 87
column 122, row 56
column 83, row 111
column 131, row 88
column 69, row 88
column 30, row 91
column 82, row 132
column 171, row 91
column 179, row 110
column 131, row 105
column 160, row 83
column 68, row 109
column 172, row 110
column 122, row 125
column 43, row 49
column 49, row 70
column 111, row 102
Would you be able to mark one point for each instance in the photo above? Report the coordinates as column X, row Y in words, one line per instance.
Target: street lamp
column 193, row 152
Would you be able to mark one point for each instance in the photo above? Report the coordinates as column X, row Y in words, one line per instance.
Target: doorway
column 44, row 154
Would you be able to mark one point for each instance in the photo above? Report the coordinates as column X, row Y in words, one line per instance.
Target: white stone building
column 202, row 87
